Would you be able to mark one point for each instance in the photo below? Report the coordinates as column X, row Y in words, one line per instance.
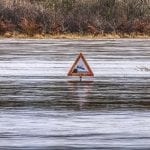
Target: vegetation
column 96, row 17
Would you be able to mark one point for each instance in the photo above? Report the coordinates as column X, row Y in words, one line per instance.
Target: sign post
column 80, row 68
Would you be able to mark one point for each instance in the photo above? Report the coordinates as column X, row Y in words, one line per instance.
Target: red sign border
column 90, row 73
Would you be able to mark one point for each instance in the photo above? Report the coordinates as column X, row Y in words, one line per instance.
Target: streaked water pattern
column 42, row 109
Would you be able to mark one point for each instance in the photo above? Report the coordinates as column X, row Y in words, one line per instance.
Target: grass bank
column 76, row 36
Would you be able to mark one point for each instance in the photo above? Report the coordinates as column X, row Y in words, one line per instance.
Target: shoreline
column 75, row 36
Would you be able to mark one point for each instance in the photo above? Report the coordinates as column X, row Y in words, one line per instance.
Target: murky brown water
column 42, row 108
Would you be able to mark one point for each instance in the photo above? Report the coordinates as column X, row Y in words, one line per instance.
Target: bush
column 74, row 16
column 6, row 26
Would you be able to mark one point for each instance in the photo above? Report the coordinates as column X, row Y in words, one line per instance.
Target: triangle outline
column 88, row 73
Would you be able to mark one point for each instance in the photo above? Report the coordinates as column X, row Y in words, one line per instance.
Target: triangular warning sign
column 80, row 67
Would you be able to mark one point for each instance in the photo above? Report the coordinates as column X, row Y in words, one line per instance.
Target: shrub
column 29, row 27
column 6, row 26
column 75, row 16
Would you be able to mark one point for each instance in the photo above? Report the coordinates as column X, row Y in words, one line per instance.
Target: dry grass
column 75, row 36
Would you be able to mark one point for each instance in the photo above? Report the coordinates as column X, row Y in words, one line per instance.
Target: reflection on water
column 42, row 108
column 76, row 95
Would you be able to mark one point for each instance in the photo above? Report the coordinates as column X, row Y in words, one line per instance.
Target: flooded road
column 42, row 109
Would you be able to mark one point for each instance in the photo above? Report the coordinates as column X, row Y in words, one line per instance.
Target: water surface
column 42, row 108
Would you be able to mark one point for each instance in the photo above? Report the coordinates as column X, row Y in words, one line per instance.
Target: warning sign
column 80, row 67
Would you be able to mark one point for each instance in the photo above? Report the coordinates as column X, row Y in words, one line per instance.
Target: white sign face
column 80, row 67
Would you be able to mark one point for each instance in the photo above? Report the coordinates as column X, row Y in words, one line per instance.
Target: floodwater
column 43, row 109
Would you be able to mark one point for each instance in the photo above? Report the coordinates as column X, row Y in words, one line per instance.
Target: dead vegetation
column 96, row 17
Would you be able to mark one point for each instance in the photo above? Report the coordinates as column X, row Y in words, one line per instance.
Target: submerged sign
column 80, row 67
